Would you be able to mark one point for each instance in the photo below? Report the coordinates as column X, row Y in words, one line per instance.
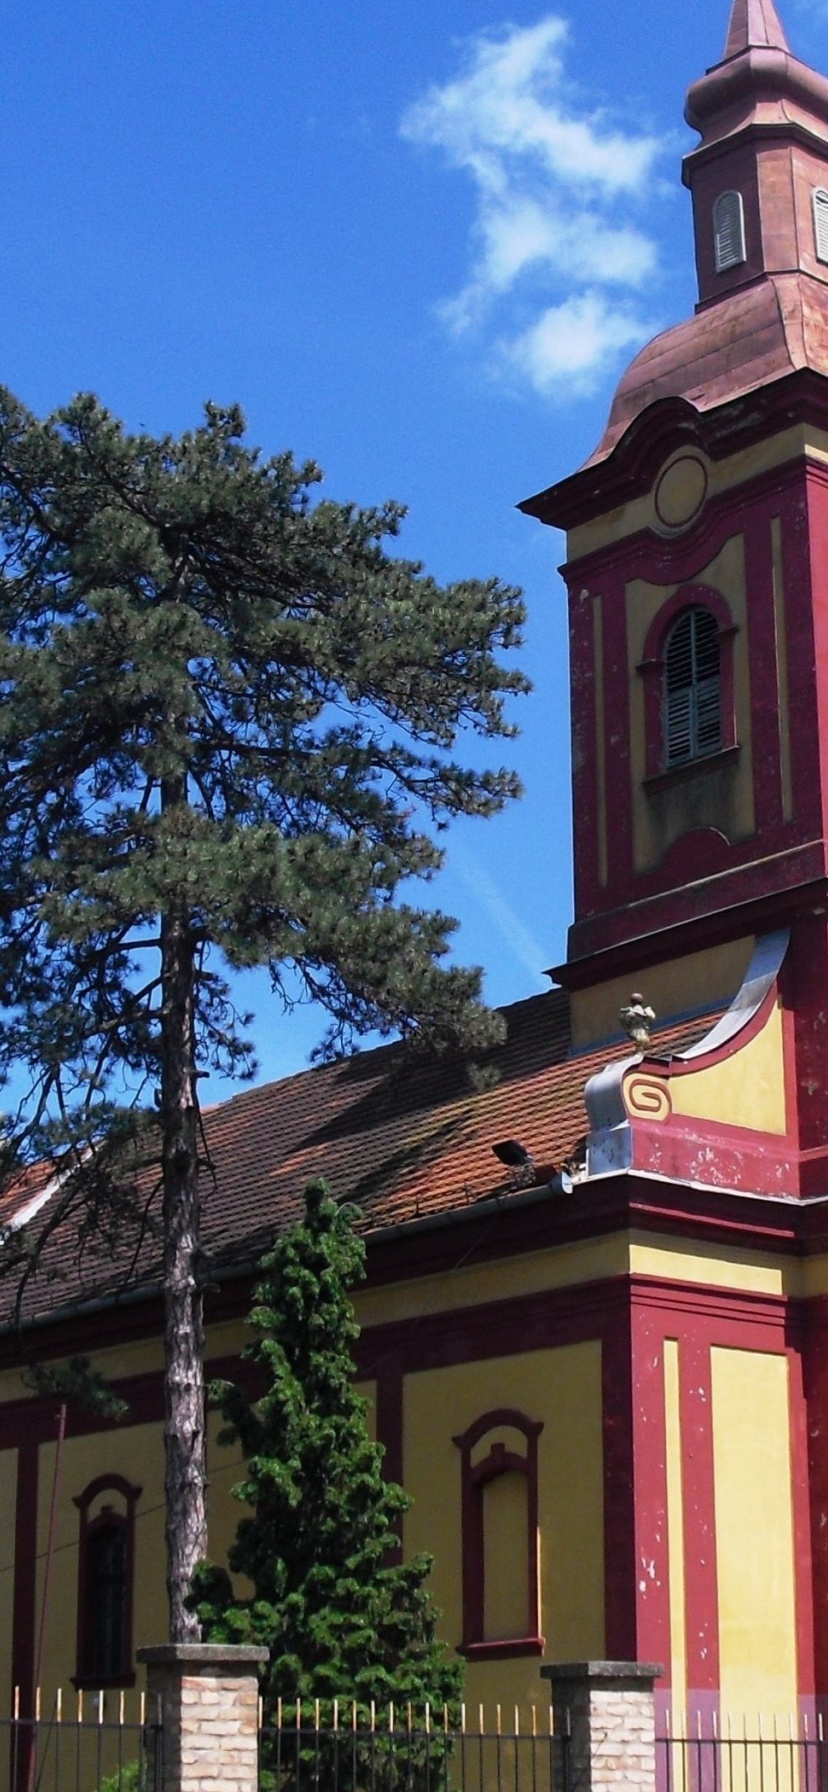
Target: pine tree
column 341, row 1618
column 227, row 723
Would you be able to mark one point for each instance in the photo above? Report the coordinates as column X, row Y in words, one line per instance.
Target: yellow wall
column 505, row 1514
column 135, row 1451
column 675, row 1525
column 677, row 987
column 640, row 513
column 8, row 1508
column 562, row 1389
column 754, row 1533
column 745, row 1088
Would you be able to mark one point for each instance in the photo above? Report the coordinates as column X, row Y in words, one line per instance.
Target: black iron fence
column 344, row 1748
column 101, row 1742
column 734, row 1755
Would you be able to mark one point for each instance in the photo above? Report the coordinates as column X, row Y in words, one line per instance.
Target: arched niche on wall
column 106, row 1572
column 499, row 1493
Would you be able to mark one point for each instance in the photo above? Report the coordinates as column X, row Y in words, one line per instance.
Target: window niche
column 729, row 231
column 819, row 202
column 106, row 1560
column 499, row 1482
column 687, row 670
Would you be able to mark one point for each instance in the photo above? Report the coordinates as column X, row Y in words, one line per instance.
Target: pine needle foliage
column 228, row 714
column 341, row 1616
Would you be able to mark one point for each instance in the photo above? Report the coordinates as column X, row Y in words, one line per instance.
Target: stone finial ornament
column 637, row 1019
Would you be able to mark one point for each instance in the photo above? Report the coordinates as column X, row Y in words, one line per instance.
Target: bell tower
column 697, row 572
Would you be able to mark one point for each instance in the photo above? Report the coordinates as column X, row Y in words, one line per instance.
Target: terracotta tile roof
column 402, row 1141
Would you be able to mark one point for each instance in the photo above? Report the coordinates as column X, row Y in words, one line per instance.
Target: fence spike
column 121, row 1698
column 373, row 1716
column 462, row 1720
column 534, row 1720
column 353, row 1715
column 100, row 1706
column 497, row 1718
column 481, row 1728
column 261, row 1712
column 391, row 1718
column 336, row 1715
column 298, row 1714
column 820, row 1726
column 428, row 1718
column 316, row 1715
column 408, row 1716
column 517, row 1723
column 59, row 1705
column 37, row 1705
column 142, row 1708
column 279, row 1713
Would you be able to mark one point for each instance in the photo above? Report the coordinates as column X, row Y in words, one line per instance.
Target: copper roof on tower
column 769, row 318
column 754, row 23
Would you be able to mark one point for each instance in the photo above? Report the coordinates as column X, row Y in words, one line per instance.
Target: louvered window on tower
column 820, row 203
column 729, row 231
column 692, row 688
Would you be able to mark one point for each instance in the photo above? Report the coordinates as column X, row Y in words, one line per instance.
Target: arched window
column 105, row 1577
column 728, row 231
column 692, row 688
column 501, row 1606
column 820, row 204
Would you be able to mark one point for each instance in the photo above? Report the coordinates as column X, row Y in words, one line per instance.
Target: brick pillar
column 604, row 1718
column 208, row 1697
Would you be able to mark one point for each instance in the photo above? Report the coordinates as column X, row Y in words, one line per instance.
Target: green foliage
column 178, row 616
column 132, row 1777
column 227, row 720
column 77, row 1383
column 340, row 1615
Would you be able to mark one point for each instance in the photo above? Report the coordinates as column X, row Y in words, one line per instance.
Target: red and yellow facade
column 606, row 1391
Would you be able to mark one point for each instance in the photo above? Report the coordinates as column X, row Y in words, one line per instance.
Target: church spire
column 754, row 25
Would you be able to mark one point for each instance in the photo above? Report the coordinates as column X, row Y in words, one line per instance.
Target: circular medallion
column 680, row 492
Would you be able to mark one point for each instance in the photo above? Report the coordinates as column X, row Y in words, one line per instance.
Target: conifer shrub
column 343, row 1617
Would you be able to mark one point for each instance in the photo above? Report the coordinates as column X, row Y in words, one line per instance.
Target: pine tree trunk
column 184, row 1442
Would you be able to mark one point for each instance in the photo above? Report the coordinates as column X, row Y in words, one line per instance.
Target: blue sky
column 416, row 242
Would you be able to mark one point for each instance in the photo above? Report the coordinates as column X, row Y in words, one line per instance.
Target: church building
column 595, row 1325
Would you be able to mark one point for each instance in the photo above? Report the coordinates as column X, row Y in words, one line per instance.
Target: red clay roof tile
column 402, row 1140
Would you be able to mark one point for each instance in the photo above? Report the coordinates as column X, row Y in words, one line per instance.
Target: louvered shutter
column 692, row 688
column 820, row 204
column 707, row 681
column 728, row 231
column 679, row 691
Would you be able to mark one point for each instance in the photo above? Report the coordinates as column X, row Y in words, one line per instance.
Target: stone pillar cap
column 208, row 1654
column 601, row 1670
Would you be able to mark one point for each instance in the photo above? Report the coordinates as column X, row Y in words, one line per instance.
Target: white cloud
column 571, row 345
column 556, row 185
